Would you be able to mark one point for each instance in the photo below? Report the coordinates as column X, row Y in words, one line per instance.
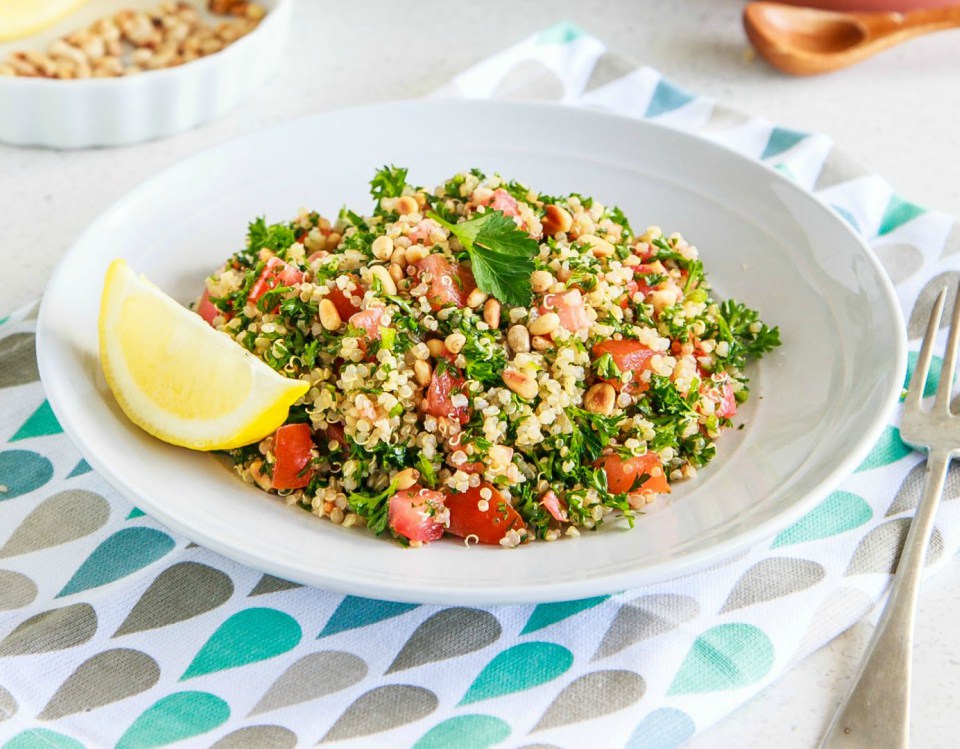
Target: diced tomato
column 275, row 273
column 206, row 308
column 293, row 445
column 413, row 513
column 628, row 355
column 552, row 504
column 570, row 308
column 450, row 282
column 335, row 433
column 504, row 201
column 621, row 474
column 422, row 231
column 368, row 320
column 443, row 386
column 490, row 525
column 341, row 300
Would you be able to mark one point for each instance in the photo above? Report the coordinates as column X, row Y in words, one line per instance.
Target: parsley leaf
column 276, row 237
column 741, row 327
column 388, row 182
column 373, row 507
column 501, row 253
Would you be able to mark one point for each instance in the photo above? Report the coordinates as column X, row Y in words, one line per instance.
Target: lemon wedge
column 19, row 18
column 178, row 378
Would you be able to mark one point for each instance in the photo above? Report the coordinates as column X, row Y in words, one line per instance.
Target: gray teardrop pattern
column 18, row 352
column 271, row 584
column 49, row 631
column 723, row 117
column 312, row 676
column 841, row 609
column 530, row 80
column 609, row 68
column 381, row 709
column 900, row 261
column 182, row 591
column 879, row 550
column 64, row 517
column 952, row 245
column 258, row 737
column 16, row 590
column 921, row 309
column 908, row 495
column 773, row 578
column 8, row 705
column 646, row 617
column 107, row 677
column 447, row 634
column 591, row 696
column 838, row 168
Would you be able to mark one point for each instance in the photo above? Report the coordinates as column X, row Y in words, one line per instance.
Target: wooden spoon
column 807, row 41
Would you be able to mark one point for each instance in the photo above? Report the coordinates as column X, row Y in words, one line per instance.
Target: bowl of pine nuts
column 115, row 74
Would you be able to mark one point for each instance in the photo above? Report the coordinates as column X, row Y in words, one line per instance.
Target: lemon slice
column 178, row 378
column 19, row 18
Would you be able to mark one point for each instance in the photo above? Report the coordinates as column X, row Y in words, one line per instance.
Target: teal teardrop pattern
column 49, row 631
column 560, row 33
column 246, row 637
column 42, row 738
column 107, row 677
column 60, row 519
column 592, row 696
column 258, row 737
column 546, row 614
column 125, row 552
column 664, row 728
column 466, row 732
column 178, row 716
column 135, row 513
column 780, row 141
column 41, row 423
column 431, row 642
column 728, row 656
column 79, row 469
column 382, row 709
column 354, row 612
column 889, row 449
column 644, row 618
column 667, row 98
column 313, row 676
column 182, row 591
column 847, row 216
column 520, row 667
column 933, row 374
column 898, row 213
column 838, row 513
column 21, row 472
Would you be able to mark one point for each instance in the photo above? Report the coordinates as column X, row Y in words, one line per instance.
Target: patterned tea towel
column 114, row 631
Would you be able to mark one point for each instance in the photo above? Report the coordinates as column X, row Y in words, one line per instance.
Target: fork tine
column 922, row 368
column 942, row 402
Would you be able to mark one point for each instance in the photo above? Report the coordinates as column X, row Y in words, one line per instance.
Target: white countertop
column 897, row 114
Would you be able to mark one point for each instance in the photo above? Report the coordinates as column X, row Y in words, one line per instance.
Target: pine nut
column 396, row 272
column 399, row 257
column 422, row 372
column 437, row 349
column 262, row 480
column 600, row 399
column 491, row 313
column 545, row 324
column 556, row 220
column 329, row 316
column 415, row 253
column 541, row 343
column 406, row 205
column 521, row 383
column 406, row 478
column 455, row 342
column 476, row 298
column 541, row 280
column 598, row 246
column 519, row 339
column 382, row 248
column 386, row 282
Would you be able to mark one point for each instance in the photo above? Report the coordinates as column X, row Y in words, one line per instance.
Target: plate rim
column 661, row 572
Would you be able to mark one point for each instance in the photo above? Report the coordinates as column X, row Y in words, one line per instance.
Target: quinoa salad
column 484, row 361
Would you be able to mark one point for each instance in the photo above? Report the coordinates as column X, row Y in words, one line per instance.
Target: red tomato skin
column 412, row 513
column 450, row 282
column 569, row 307
column 628, row 355
column 622, row 473
column 439, row 397
column 341, row 300
column 292, row 444
column 206, row 309
column 489, row 525
column 368, row 321
column 335, row 433
column 505, row 202
column 727, row 408
column 275, row 273
column 552, row 504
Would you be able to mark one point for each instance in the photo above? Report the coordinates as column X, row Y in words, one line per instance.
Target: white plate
column 819, row 402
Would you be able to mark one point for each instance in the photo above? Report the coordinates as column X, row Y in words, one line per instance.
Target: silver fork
column 876, row 712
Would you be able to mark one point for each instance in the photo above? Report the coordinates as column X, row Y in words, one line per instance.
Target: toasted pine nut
column 491, row 313
column 382, row 247
column 399, row 257
column 519, row 339
column 406, row 204
column 556, row 220
column 437, row 349
column 396, row 272
column 600, row 399
column 329, row 316
column 406, row 478
column 598, row 246
column 541, row 280
column 262, row 479
column 415, row 253
column 455, row 342
column 422, row 372
column 632, row 260
column 521, row 383
column 380, row 273
column 476, row 298
column 545, row 324
column 541, row 343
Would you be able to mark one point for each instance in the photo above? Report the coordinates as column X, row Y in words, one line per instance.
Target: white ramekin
column 152, row 104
